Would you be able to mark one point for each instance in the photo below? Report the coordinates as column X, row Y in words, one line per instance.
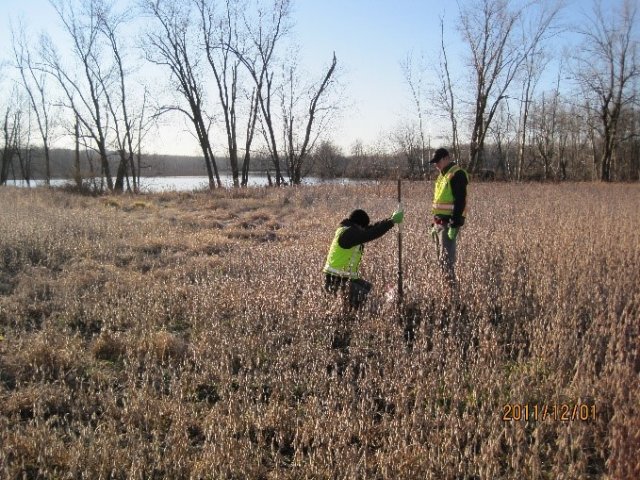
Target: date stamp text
column 559, row 412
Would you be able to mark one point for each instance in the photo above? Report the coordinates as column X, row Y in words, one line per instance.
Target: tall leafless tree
column 223, row 36
column 404, row 135
column 34, row 83
column 170, row 43
column 85, row 93
column 532, row 70
column 488, row 28
column 144, row 123
column 16, row 154
column 607, row 69
column 491, row 30
column 249, row 134
column 110, row 24
column 628, row 153
column 265, row 33
column 445, row 95
column 10, row 130
column 537, row 27
column 544, row 131
column 500, row 131
column 329, row 161
column 77, row 171
column 408, row 141
column 23, row 145
column 299, row 130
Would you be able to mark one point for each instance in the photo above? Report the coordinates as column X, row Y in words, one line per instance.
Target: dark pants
column 358, row 289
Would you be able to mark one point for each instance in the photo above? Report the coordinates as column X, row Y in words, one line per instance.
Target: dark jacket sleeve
column 459, row 189
column 355, row 235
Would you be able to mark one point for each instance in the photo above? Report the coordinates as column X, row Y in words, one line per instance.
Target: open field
column 187, row 336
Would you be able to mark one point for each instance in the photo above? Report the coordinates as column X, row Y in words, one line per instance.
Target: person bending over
column 345, row 254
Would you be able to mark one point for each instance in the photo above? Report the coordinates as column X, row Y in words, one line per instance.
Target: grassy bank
column 187, row 336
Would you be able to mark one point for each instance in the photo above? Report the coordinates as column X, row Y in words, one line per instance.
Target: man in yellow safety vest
column 448, row 209
column 345, row 253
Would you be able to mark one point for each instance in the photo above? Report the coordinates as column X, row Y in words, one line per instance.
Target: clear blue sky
column 370, row 38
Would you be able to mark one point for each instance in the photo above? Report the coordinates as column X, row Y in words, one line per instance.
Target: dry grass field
column 186, row 336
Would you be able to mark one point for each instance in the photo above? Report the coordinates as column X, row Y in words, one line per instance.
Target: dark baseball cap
column 439, row 155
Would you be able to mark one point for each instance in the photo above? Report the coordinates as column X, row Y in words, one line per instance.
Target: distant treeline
column 326, row 161
column 151, row 165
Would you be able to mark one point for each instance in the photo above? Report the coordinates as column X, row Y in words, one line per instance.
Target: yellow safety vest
column 443, row 194
column 343, row 262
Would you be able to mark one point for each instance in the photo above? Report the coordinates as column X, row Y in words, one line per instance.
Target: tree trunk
column 77, row 174
column 120, row 174
column 106, row 169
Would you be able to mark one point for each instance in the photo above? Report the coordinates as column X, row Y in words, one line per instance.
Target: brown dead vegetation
column 186, row 335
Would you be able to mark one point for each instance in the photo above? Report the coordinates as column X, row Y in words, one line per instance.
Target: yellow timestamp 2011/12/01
column 564, row 412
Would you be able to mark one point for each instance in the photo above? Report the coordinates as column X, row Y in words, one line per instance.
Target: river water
column 184, row 183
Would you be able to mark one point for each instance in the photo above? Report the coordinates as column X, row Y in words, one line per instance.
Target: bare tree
column 250, row 131
column 218, row 36
column 490, row 29
column 406, row 143
column 445, row 95
column 501, row 130
column 23, row 148
column 533, row 68
column 410, row 147
column 34, row 83
column 537, row 29
column 170, row 43
column 85, row 94
column 9, row 135
column 573, row 135
column 562, row 168
column 544, row 126
column 264, row 34
column 628, row 154
column 77, row 172
column 118, row 102
column 296, row 146
column 607, row 70
column 16, row 154
column 223, row 36
column 329, row 160
column 144, row 123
